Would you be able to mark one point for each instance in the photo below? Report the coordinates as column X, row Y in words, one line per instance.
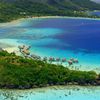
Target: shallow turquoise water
column 53, row 93
column 57, row 37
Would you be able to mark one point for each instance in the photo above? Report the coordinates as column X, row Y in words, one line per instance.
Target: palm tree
column 58, row 60
column 38, row 57
column 64, row 60
column 21, row 48
column 26, row 53
column 51, row 59
column 45, row 59
column 74, row 61
column 27, row 48
column 34, row 56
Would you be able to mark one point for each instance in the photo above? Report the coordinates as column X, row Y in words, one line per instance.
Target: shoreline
column 56, row 87
column 11, row 49
column 70, row 84
column 43, row 17
column 82, row 67
column 14, row 48
column 64, row 17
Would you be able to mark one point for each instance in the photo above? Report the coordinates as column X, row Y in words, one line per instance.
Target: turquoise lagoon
column 57, row 37
column 53, row 93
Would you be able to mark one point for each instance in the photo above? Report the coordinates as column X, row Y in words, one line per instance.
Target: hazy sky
column 96, row 0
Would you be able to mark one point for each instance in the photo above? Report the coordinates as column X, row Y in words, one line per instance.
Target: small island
column 17, row 72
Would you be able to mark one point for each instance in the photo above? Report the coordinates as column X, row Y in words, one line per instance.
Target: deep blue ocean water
column 58, row 37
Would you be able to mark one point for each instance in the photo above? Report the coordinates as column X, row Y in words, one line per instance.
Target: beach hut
column 51, row 59
column 74, row 60
column 58, row 59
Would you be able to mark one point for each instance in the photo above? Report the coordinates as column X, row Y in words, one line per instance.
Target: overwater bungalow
column 70, row 62
column 51, row 59
column 64, row 60
column 58, row 59
column 74, row 60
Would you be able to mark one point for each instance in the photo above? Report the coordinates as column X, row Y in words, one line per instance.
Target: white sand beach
column 17, row 21
column 10, row 45
column 11, row 49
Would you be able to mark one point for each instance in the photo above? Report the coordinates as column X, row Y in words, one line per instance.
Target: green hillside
column 18, row 72
column 63, row 4
column 13, row 9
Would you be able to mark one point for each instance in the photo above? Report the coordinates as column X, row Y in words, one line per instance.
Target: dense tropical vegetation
column 14, row 9
column 19, row 72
